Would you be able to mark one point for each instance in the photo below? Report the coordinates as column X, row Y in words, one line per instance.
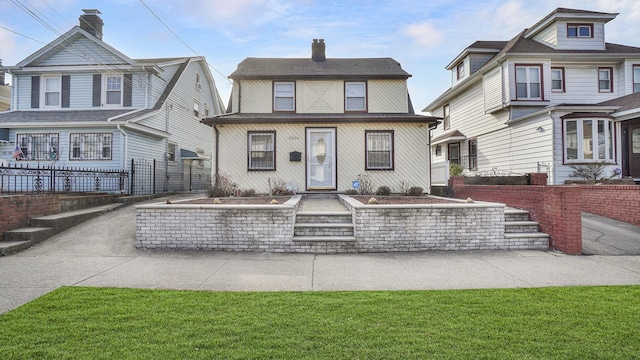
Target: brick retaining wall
column 620, row 202
column 17, row 210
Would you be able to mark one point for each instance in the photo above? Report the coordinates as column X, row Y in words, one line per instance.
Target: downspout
column 124, row 145
column 553, row 144
column 217, row 140
column 429, row 129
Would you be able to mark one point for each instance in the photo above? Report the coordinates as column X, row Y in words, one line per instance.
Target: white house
column 320, row 123
column 550, row 99
column 78, row 102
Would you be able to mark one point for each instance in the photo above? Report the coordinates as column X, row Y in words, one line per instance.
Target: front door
column 321, row 159
column 634, row 150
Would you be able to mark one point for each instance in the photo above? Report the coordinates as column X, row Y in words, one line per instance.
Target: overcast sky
column 423, row 35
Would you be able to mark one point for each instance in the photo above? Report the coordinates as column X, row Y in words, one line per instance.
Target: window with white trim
column 38, row 146
column 379, row 146
column 90, row 146
column 171, row 151
column 446, row 117
column 636, row 78
column 52, row 90
column 113, row 90
column 460, row 70
column 588, row 140
column 284, row 96
column 196, row 108
column 355, row 96
column 605, row 79
column 198, row 83
column 261, row 150
column 557, row 79
column 528, row 82
column 580, row 30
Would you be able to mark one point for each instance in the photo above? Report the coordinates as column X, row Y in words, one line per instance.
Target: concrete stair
column 44, row 227
column 523, row 233
column 323, row 226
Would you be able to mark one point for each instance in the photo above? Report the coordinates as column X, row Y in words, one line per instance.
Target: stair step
column 520, row 227
column 63, row 221
column 324, row 225
column 12, row 247
column 526, row 235
column 323, row 217
column 324, row 239
column 516, row 215
column 530, row 241
column 34, row 235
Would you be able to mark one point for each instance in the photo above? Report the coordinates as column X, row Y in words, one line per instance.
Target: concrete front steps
column 323, row 226
column 523, row 233
column 44, row 227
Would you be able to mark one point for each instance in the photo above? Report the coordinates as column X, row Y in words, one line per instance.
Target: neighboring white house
column 318, row 123
column 78, row 102
column 546, row 100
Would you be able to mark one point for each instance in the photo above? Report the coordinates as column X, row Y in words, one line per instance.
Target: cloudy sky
column 424, row 36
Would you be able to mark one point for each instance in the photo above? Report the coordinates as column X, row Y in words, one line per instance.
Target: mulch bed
column 395, row 200
column 258, row 200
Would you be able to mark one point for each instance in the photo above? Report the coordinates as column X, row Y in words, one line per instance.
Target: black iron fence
column 25, row 179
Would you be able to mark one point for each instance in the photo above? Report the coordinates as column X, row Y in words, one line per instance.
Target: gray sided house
column 554, row 98
column 319, row 123
column 78, row 102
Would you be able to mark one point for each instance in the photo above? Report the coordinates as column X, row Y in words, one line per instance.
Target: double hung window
column 52, row 89
column 261, row 148
column 379, row 146
column 113, row 90
column 529, row 82
column 557, row 79
column 636, row 78
column 284, row 96
column 588, row 140
column 605, row 79
column 355, row 96
column 473, row 154
column 446, row 117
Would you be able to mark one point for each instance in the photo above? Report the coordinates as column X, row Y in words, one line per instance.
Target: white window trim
column 610, row 151
column 562, row 84
column 196, row 109
column 43, row 93
column 171, row 145
column 528, row 81
column 578, row 27
column 105, row 78
column 82, row 137
column 293, row 95
column 198, row 81
column 364, row 95
column 610, row 71
column 635, row 79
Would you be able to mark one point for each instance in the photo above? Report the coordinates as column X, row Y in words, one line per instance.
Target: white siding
column 411, row 155
column 256, row 96
column 388, row 96
column 549, row 36
column 465, row 71
column 492, row 85
column 594, row 43
column 82, row 51
column 581, row 85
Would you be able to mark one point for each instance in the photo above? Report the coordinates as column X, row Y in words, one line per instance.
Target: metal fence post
column 133, row 176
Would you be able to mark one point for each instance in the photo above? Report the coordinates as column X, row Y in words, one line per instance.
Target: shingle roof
column 54, row 116
column 627, row 102
column 274, row 68
column 265, row 118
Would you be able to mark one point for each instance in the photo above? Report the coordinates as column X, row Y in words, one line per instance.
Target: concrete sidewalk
column 101, row 252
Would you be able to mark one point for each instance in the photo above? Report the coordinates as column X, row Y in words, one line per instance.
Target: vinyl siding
column 388, row 96
column 594, row 43
column 320, row 96
column 454, row 72
column 82, row 51
column 492, row 85
column 549, row 36
column 581, row 85
column 411, row 155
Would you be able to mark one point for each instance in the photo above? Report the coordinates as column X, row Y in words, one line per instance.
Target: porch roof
column 447, row 137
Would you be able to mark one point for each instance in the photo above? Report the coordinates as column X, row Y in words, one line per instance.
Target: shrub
column 383, row 190
column 591, row 172
column 455, row 169
column 415, row 191
column 248, row 193
column 279, row 188
column 366, row 185
column 404, row 187
column 222, row 187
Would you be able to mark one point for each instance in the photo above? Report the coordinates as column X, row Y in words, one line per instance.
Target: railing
column 24, row 179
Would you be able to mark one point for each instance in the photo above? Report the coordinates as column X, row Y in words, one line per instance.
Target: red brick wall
column 16, row 210
column 620, row 202
column 556, row 208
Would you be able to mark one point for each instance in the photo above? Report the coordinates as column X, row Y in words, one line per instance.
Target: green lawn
column 94, row 323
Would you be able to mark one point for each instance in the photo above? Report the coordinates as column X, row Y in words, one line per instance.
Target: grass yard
column 99, row 323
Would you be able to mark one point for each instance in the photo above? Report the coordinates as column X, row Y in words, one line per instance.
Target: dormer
column 472, row 59
column 571, row 29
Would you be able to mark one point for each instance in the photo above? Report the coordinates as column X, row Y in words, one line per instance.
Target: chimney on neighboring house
column 317, row 50
column 91, row 22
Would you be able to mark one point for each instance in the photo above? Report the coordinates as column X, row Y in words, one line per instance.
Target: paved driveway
column 604, row 236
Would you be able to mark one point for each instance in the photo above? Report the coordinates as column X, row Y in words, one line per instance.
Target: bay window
column 588, row 140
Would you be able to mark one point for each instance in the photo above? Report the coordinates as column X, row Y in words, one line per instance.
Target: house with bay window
column 78, row 102
column 554, row 97
column 319, row 123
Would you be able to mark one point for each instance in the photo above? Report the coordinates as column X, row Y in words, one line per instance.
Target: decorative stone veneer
column 377, row 228
column 420, row 227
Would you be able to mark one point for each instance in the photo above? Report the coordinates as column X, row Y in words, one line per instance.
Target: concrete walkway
column 101, row 252
column 603, row 236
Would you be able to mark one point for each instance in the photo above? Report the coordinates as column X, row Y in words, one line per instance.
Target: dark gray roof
column 483, row 44
column 281, row 68
column 627, row 102
column 60, row 116
column 275, row 118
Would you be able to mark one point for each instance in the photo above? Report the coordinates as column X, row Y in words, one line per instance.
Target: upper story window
column 446, row 117
column 588, row 140
column 636, row 78
column 198, row 83
column 90, row 146
column 52, row 90
column 113, row 89
column 580, row 30
column 262, row 149
column 473, row 154
column 355, row 96
column 528, row 82
column 38, row 146
column 284, row 96
column 605, row 79
column 196, row 108
column 379, row 150
column 460, row 70
column 557, row 79
column 171, row 151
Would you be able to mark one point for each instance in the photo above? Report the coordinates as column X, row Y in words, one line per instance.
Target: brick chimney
column 317, row 50
column 91, row 22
